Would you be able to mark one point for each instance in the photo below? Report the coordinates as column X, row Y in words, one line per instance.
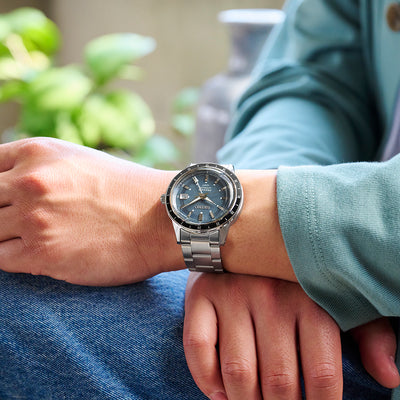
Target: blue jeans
column 59, row 341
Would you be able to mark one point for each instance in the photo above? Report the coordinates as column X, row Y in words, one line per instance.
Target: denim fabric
column 358, row 385
column 59, row 341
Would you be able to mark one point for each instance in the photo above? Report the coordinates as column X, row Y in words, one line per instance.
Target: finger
column 200, row 333
column 321, row 355
column 8, row 155
column 277, row 354
column 6, row 191
column 12, row 256
column 238, row 354
column 377, row 344
column 9, row 223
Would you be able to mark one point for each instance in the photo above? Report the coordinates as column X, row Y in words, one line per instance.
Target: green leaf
column 25, row 18
column 118, row 119
column 184, row 124
column 88, row 120
column 10, row 69
column 66, row 129
column 131, row 73
column 45, row 38
column 158, row 152
column 35, row 122
column 11, row 91
column 138, row 120
column 5, row 28
column 107, row 55
column 35, row 29
column 59, row 89
column 185, row 100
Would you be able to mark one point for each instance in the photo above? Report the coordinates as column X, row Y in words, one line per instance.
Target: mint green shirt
column 321, row 109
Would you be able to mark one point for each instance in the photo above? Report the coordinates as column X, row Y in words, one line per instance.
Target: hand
column 243, row 336
column 377, row 343
column 80, row 215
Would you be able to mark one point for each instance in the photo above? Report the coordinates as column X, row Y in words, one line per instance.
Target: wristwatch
column 203, row 200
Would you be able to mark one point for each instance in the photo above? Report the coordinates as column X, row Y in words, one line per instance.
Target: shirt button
column 393, row 16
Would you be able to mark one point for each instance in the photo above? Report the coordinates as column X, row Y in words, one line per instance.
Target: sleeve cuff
column 311, row 241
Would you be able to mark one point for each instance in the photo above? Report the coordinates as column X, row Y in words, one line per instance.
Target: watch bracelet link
column 201, row 251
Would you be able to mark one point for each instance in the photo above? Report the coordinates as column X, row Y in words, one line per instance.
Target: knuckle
column 193, row 341
column 324, row 376
column 34, row 182
column 43, row 252
column 36, row 220
column 280, row 384
column 238, row 370
column 35, row 147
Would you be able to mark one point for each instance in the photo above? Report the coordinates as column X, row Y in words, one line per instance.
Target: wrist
column 150, row 227
column 167, row 254
column 255, row 244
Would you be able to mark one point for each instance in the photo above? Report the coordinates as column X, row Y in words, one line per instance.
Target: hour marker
column 224, row 188
column 206, row 179
column 200, row 217
column 183, row 196
column 212, row 214
column 223, row 198
column 186, row 187
column 217, row 181
column 190, row 213
column 221, row 208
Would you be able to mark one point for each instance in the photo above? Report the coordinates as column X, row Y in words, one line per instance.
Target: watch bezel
column 229, row 217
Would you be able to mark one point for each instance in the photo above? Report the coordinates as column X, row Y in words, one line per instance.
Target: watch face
column 204, row 196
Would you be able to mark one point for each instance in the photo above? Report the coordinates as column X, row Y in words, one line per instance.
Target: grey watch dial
column 204, row 196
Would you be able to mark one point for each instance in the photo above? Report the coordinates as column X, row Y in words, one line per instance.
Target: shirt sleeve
column 310, row 112
column 341, row 227
column 311, row 101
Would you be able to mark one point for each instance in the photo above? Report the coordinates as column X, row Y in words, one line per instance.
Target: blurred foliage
column 76, row 102
column 183, row 111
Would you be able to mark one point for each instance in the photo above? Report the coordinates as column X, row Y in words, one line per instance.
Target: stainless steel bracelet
column 202, row 251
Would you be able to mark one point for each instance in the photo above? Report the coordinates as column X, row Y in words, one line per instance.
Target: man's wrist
column 255, row 244
column 169, row 256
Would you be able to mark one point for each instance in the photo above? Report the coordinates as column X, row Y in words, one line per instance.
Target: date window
column 183, row 196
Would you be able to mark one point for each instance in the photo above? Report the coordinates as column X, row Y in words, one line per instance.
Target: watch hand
column 215, row 204
column 192, row 202
column 196, row 181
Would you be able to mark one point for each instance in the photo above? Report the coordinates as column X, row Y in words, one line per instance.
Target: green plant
column 183, row 111
column 77, row 102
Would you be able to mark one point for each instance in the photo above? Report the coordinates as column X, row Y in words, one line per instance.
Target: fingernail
column 218, row 396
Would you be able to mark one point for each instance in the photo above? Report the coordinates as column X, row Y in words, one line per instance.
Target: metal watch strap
column 201, row 251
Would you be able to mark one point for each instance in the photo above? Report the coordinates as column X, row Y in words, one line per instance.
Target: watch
column 203, row 200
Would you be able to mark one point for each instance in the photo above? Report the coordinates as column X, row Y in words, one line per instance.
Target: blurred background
column 192, row 46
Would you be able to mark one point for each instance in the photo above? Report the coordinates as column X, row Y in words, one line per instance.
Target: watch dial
column 202, row 197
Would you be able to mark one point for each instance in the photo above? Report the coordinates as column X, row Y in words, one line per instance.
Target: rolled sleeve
column 341, row 229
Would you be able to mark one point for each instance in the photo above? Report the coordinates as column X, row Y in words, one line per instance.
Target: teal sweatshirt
column 321, row 109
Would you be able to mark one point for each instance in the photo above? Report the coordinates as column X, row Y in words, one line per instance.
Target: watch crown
column 162, row 198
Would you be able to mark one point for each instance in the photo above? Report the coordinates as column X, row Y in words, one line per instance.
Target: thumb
column 377, row 344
